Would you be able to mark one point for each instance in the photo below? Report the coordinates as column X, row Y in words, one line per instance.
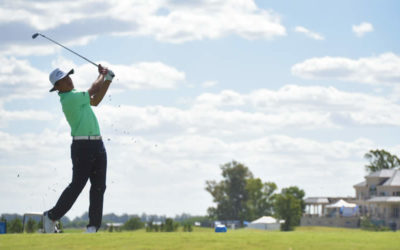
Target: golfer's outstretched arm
column 99, row 88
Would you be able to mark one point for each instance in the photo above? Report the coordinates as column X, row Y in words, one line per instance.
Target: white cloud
column 311, row 106
column 169, row 150
column 395, row 95
column 212, row 19
column 226, row 97
column 209, row 84
column 229, row 115
column 20, row 80
column 39, row 144
column 18, row 76
column 172, row 167
column 23, row 50
column 35, row 115
column 302, row 107
column 363, row 28
column 149, row 75
column 382, row 69
column 309, row 33
column 166, row 21
column 142, row 75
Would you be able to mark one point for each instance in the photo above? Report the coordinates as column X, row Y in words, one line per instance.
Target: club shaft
column 69, row 50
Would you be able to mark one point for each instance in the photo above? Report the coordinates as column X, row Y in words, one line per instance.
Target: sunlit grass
column 205, row 238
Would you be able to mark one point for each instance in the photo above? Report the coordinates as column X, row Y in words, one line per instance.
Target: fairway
column 302, row 238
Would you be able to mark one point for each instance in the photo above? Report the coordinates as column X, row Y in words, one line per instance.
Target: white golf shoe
column 91, row 229
column 49, row 225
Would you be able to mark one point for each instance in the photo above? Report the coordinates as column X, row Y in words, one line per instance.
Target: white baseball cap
column 56, row 75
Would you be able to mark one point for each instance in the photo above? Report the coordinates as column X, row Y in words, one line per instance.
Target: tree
column 40, row 224
column 240, row 196
column 15, row 226
column 288, row 208
column 187, row 227
column 150, row 226
column 133, row 223
column 170, row 225
column 297, row 193
column 230, row 194
column 31, row 226
column 260, row 198
column 381, row 159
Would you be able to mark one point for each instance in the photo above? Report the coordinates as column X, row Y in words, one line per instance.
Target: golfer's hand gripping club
column 108, row 74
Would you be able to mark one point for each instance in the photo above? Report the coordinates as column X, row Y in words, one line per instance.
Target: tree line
column 153, row 223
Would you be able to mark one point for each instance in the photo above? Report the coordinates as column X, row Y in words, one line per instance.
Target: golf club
column 38, row 34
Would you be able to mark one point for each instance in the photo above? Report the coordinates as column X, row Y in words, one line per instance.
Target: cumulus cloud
column 181, row 163
column 209, row 84
column 24, row 115
column 382, row 69
column 229, row 114
column 309, row 33
column 18, row 76
column 20, row 80
column 151, row 147
column 212, row 19
column 141, row 75
column 166, row 21
column 363, row 28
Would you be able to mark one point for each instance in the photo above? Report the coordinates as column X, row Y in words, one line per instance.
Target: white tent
column 265, row 223
column 343, row 208
column 341, row 203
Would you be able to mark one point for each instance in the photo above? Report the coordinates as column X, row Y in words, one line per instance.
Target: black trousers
column 89, row 159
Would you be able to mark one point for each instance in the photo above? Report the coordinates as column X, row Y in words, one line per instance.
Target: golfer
column 89, row 158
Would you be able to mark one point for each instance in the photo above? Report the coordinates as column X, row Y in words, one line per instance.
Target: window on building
column 372, row 190
column 396, row 212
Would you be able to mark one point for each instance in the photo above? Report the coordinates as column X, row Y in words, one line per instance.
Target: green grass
column 302, row 238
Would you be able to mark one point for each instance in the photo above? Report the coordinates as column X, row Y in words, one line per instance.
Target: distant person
column 89, row 157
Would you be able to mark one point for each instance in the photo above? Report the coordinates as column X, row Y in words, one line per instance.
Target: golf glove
column 110, row 75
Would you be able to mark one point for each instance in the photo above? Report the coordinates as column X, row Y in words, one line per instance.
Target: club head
column 35, row 35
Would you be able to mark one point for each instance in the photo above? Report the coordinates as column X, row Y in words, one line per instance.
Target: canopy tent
column 266, row 223
column 343, row 208
column 341, row 203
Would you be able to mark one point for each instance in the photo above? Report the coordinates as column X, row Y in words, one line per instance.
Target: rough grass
column 302, row 238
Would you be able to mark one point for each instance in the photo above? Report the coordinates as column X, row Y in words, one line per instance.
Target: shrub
column 370, row 225
column 133, row 223
column 149, row 227
column 15, row 226
column 170, row 225
column 31, row 226
column 40, row 224
column 187, row 227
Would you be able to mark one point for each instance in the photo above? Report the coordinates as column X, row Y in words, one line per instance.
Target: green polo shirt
column 79, row 113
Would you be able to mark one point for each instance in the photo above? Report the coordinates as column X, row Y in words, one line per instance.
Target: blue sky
column 297, row 91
